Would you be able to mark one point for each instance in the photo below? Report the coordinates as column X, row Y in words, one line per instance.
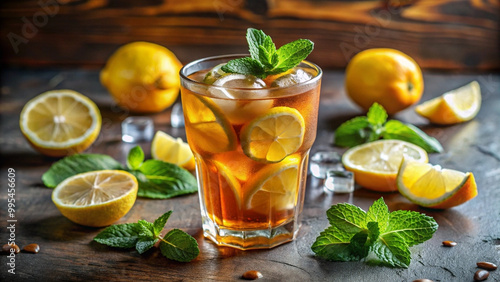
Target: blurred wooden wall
column 439, row 34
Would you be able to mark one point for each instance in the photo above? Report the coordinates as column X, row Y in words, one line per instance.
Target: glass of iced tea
column 251, row 139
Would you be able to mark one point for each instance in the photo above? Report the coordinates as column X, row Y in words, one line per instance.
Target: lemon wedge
column 455, row 106
column 435, row 187
column 172, row 150
column 207, row 126
column 273, row 136
column 375, row 165
column 96, row 198
column 60, row 122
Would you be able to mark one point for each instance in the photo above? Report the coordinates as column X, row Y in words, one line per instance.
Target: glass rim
column 218, row 57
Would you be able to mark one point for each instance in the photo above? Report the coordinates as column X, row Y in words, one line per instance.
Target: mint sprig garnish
column 377, row 236
column 374, row 125
column 265, row 58
column 143, row 235
column 157, row 179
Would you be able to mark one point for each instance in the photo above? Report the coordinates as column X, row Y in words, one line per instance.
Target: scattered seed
column 449, row 243
column 423, row 280
column 252, row 275
column 486, row 265
column 481, row 275
column 31, row 248
column 6, row 248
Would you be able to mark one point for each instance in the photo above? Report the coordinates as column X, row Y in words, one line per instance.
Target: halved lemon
column 96, row 198
column 172, row 150
column 432, row 186
column 375, row 164
column 60, row 122
column 207, row 126
column 455, row 106
column 273, row 136
column 274, row 187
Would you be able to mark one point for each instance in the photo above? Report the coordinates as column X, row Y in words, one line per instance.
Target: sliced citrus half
column 274, row 187
column 207, row 126
column 60, row 122
column 273, row 136
column 432, row 186
column 96, row 198
column 172, row 150
column 458, row 105
column 375, row 165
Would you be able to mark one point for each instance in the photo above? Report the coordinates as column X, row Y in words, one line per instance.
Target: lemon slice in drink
column 455, row 106
column 433, row 186
column 172, row 150
column 228, row 181
column 60, row 122
column 274, row 187
column 206, row 124
column 375, row 164
column 96, row 198
column 274, row 135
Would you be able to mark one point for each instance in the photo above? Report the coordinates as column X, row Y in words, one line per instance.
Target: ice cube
column 298, row 75
column 238, row 82
column 214, row 74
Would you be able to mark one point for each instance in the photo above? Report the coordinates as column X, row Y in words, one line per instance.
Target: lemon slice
column 96, row 198
column 60, row 122
column 274, row 135
column 375, row 164
column 435, row 187
column 455, row 106
column 172, row 150
column 227, row 181
column 207, row 126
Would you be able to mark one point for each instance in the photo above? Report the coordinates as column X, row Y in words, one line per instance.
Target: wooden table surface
column 68, row 252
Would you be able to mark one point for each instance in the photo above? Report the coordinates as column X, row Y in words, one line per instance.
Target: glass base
column 250, row 239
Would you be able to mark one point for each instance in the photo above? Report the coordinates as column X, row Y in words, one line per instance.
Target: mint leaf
column 255, row 39
column 359, row 245
column 144, row 244
column 392, row 251
column 161, row 180
column 347, row 217
column 407, row 132
column 180, row 246
column 245, row 66
column 333, row 244
column 135, row 158
column 146, row 229
column 76, row 164
column 353, row 132
column 291, row 54
column 119, row 235
column 413, row 227
column 160, row 222
column 376, row 115
column 378, row 213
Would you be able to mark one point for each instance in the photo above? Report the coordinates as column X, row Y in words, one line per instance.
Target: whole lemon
column 386, row 76
column 142, row 77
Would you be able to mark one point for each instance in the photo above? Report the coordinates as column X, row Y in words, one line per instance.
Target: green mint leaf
column 245, row 66
column 160, row 222
column 161, row 180
column 373, row 232
column 359, row 246
column 146, row 229
column 76, row 164
column 255, row 39
column 347, row 217
column 392, row 250
column 378, row 213
column 135, row 158
column 333, row 244
column 119, row 235
column 143, row 245
column 376, row 115
column 353, row 132
column 180, row 246
column 397, row 130
column 291, row 54
column 413, row 227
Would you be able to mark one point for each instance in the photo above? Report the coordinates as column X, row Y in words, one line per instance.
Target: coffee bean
column 449, row 243
column 423, row 280
column 6, row 248
column 31, row 248
column 486, row 265
column 252, row 275
column 481, row 275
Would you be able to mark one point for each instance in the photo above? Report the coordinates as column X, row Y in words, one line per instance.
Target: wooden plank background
column 439, row 34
